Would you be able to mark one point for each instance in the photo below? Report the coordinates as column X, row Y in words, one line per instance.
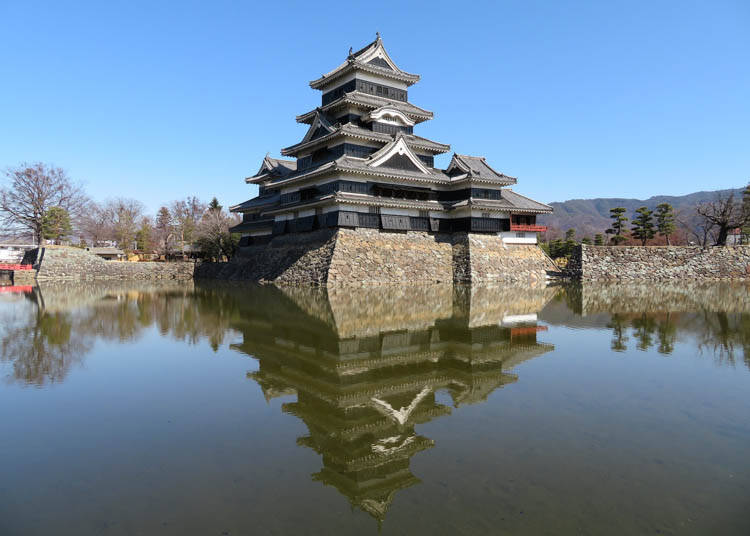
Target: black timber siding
column 391, row 222
column 364, row 86
column 387, row 128
column 465, row 193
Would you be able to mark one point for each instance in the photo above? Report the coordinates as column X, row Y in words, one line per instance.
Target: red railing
column 526, row 330
column 528, row 228
column 15, row 266
column 13, row 289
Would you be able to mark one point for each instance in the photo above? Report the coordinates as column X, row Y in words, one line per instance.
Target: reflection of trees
column 716, row 315
column 726, row 336
column 55, row 334
column 42, row 348
column 619, row 337
column 644, row 327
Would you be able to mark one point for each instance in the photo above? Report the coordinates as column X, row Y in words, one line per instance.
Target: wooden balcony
column 528, row 228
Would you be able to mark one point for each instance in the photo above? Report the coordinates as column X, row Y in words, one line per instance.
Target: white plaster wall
column 399, row 211
column 497, row 215
column 511, row 238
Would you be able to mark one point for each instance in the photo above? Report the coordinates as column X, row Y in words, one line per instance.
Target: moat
column 230, row 409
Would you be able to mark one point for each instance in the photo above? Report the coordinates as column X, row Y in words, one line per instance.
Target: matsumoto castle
column 360, row 165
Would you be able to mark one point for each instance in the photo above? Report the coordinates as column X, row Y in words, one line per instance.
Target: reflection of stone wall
column 76, row 264
column 367, row 256
column 659, row 262
column 684, row 297
column 369, row 310
column 489, row 304
column 63, row 296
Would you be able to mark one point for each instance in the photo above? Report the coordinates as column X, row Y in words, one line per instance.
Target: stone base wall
column 492, row 261
column 67, row 264
column 659, row 263
column 288, row 259
column 369, row 256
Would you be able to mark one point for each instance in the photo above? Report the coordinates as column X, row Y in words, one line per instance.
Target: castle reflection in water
column 365, row 367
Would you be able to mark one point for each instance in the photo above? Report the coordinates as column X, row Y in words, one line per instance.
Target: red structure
column 15, row 267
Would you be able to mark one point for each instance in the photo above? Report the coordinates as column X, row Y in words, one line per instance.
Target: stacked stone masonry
column 369, row 256
column 659, row 263
column 65, row 263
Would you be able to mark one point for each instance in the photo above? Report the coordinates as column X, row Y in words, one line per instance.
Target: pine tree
column 586, row 241
column 643, row 225
column 665, row 220
column 598, row 239
column 56, row 224
column 618, row 224
column 570, row 242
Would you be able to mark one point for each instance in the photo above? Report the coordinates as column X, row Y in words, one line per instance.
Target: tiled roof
column 522, row 202
column 362, row 60
column 256, row 202
column 355, row 131
column 371, row 102
column 477, row 166
column 273, row 168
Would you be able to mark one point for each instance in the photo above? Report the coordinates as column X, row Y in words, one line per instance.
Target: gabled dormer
column 475, row 167
column 320, row 127
column 272, row 169
column 397, row 155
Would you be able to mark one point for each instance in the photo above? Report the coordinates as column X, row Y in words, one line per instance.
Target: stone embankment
column 70, row 264
column 369, row 256
column 659, row 263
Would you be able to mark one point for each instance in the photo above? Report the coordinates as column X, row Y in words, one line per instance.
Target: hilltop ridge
column 590, row 216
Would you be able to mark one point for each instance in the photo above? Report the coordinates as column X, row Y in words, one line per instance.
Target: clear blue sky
column 590, row 99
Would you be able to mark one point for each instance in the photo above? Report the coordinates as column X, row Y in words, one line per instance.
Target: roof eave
column 407, row 78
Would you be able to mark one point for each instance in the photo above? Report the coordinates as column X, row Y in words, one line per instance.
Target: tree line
column 44, row 203
column 712, row 223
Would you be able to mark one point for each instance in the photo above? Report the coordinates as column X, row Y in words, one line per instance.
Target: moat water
column 235, row 410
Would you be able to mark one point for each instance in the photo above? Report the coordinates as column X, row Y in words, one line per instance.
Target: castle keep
column 362, row 175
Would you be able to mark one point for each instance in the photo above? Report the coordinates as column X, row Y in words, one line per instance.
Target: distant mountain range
column 591, row 216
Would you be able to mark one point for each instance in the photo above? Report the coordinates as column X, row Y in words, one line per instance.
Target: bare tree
column 185, row 217
column 725, row 213
column 31, row 190
column 95, row 224
column 212, row 236
column 124, row 219
column 702, row 231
